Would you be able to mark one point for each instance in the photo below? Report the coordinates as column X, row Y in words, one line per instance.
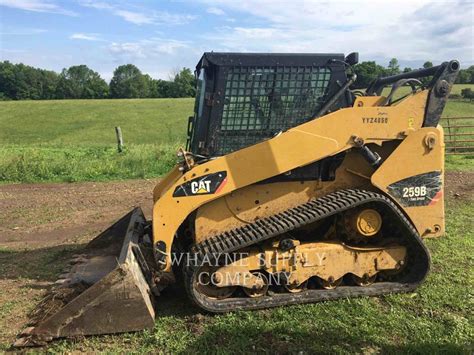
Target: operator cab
column 244, row 98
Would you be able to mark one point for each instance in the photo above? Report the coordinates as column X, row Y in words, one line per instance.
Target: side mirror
column 352, row 58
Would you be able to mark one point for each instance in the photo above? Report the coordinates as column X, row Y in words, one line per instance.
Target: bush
column 467, row 93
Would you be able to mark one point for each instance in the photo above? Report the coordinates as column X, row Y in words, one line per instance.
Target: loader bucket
column 107, row 289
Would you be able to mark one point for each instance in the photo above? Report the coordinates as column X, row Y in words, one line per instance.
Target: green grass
column 459, row 108
column 459, row 162
column 74, row 140
column 92, row 122
column 82, row 163
column 456, row 90
column 437, row 318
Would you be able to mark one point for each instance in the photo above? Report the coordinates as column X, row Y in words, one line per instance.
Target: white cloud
column 149, row 48
column 85, row 36
column 215, row 11
column 37, row 6
column 96, row 4
column 22, row 31
column 134, row 17
column 410, row 31
column 156, row 56
column 144, row 17
column 166, row 18
column 154, row 17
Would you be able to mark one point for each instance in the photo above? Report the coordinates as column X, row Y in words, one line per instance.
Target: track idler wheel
column 205, row 283
column 360, row 226
column 258, row 292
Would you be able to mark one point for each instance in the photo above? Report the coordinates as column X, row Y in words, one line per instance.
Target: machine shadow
column 41, row 265
column 39, row 268
column 174, row 302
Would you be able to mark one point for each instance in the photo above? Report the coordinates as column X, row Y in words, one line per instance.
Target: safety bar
column 377, row 85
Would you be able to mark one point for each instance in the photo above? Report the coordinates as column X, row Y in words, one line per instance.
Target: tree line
column 23, row 82
column 368, row 71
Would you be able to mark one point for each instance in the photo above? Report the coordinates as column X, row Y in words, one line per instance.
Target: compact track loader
column 293, row 188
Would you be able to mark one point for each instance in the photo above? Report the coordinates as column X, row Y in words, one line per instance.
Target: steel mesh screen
column 262, row 101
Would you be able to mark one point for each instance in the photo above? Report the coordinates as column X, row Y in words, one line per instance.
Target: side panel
column 257, row 201
column 413, row 175
column 302, row 145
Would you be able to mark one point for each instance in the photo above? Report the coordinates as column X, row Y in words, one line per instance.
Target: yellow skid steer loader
column 292, row 189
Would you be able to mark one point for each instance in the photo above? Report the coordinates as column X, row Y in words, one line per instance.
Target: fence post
column 118, row 133
column 449, row 131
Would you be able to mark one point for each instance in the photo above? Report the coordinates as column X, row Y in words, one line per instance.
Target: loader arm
column 294, row 148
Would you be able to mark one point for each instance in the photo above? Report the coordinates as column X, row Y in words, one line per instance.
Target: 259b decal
column 203, row 185
column 414, row 191
column 419, row 190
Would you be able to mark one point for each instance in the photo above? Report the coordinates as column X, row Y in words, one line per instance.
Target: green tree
column 152, row 87
column 466, row 76
column 463, row 77
column 129, row 82
column 407, row 69
column 427, row 65
column 80, row 82
column 393, row 67
column 19, row 82
column 27, row 82
column 470, row 75
column 7, row 80
column 184, row 84
column 366, row 73
column 165, row 88
column 49, row 83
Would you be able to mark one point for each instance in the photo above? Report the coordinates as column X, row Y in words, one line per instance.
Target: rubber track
column 294, row 218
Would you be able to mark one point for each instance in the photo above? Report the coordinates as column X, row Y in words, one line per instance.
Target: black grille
column 262, row 101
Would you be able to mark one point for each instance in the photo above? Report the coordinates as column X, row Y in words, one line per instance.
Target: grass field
column 436, row 318
column 458, row 87
column 74, row 140
column 456, row 90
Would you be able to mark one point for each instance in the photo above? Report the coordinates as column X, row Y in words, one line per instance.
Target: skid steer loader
column 292, row 189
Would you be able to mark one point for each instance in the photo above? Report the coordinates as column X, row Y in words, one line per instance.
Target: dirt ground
column 41, row 225
column 38, row 215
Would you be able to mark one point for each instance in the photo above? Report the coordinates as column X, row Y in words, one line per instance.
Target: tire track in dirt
column 34, row 215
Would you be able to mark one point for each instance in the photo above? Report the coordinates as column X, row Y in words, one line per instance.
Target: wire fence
column 458, row 135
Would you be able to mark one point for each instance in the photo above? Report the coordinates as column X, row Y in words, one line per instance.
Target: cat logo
column 201, row 187
column 207, row 184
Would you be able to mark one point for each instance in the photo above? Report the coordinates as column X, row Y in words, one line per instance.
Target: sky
column 160, row 37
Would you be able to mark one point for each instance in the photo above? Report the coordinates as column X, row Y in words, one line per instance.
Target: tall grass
column 69, row 164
